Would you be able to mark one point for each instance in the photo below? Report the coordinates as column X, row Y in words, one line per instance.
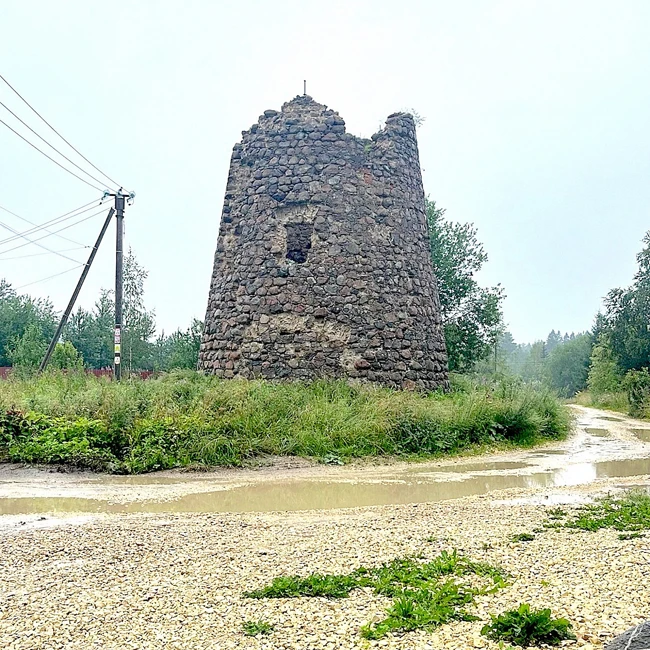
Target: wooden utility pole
column 68, row 309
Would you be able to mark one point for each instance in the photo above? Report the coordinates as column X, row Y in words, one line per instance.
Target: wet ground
column 602, row 446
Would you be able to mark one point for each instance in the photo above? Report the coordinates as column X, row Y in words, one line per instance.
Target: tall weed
column 185, row 418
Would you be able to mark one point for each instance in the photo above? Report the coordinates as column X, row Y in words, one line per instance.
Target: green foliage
column 424, row 609
column 630, row 512
column 611, row 401
column 628, row 536
column 567, row 365
column 525, row 627
column 33, row 438
column 138, row 323
column 424, row 595
column 325, row 586
column 66, row 357
column 17, row 315
column 471, row 314
column 625, row 321
column 91, row 332
column 185, row 418
column 27, row 326
column 28, row 351
column 257, row 628
column 637, row 385
column 180, row 349
column 604, row 374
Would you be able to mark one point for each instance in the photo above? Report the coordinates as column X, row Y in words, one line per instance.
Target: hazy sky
column 537, row 129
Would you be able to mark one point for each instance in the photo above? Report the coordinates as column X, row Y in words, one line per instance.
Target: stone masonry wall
column 322, row 266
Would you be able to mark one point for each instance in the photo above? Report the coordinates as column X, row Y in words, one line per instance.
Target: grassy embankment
column 186, row 419
column 609, row 401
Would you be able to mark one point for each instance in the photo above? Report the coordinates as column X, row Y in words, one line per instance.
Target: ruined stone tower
column 322, row 266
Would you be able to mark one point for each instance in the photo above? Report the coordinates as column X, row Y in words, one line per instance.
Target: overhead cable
column 22, row 257
column 99, row 189
column 34, row 241
column 51, row 146
column 33, row 223
column 49, row 277
column 62, row 138
column 51, row 222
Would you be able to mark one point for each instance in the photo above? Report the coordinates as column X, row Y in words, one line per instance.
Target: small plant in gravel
column 257, row 628
column 526, row 627
column 626, row 536
column 629, row 513
column 522, row 537
column 426, row 594
column 556, row 513
column 424, row 609
column 325, row 586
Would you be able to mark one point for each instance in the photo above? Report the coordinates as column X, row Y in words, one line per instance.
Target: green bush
column 185, row 418
column 525, row 627
column 637, row 386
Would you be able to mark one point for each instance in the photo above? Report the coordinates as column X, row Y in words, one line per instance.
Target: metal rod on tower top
column 119, row 283
column 68, row 309
column 304, row 87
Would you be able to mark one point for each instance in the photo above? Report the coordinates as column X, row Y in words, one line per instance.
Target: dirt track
column 175, row 579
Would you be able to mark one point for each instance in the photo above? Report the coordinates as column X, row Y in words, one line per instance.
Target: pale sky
column 536, row 129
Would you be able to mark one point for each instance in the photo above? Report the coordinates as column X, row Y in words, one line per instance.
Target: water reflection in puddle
column 642, row 434
column 464, row 468
column 600, row 433
column 406, row 486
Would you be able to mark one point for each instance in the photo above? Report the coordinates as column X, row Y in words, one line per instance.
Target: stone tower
column 322, row 266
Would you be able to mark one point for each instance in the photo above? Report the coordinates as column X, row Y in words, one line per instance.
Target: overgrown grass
column 185, row 418
column 426, row 594
column 525, row 627
column 617, row 401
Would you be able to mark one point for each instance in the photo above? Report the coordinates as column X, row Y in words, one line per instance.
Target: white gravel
column 151, row 581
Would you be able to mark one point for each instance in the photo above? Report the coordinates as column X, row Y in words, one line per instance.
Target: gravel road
column 175, row 580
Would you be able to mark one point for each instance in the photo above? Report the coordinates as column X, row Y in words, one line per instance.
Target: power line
column 99, row 189
column 49, row 277
column 65, row 250
column 30, row 241
column 40, row 137
column 65, row 217
column 33, row 223
column 62, row 138
column 34, row 241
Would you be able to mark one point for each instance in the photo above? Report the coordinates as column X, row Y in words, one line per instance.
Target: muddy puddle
column 597, row 432
column 311, row 494
column 642, row 434
column 595, row 451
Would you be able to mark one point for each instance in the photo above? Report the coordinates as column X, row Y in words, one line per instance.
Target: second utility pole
column 119, row 283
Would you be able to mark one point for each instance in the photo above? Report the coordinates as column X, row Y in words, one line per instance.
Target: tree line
column 611, row 361
column 27, row 325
